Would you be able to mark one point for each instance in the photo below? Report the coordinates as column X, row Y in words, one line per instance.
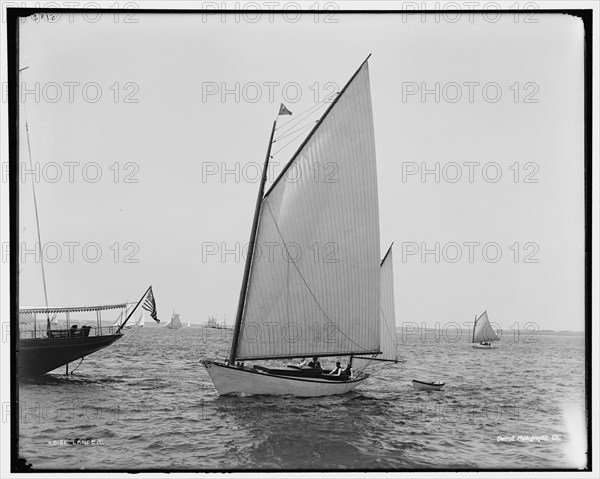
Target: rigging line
column 77, row 366
column 325, row 101
column 295, row 131
column 297, row 117
column 37, row 219
column 388, row 329
column 386, row 324
column 306, row 284
column 289, row 142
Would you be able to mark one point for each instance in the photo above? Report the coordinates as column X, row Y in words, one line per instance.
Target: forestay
column 314, row 287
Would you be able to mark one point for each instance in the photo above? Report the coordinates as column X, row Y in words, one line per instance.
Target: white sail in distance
column 483, row 331
column 314, row 286
column 175, row 322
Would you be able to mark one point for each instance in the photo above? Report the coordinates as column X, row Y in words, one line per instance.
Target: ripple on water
column 154, row 407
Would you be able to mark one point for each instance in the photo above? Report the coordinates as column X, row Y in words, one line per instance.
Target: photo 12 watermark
column 74, row 172
column 73, row 12
column 454, row 252
column 452, row 172
column 468, row 12
column 74, row 252
column 470, row 92
column 73, row 92
column 270, row 12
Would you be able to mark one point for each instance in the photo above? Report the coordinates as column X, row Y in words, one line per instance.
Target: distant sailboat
column 212, row 323
column 189, row 325
column 175, row 322
column 483, row 334
column 293, row 308
column 124, row 314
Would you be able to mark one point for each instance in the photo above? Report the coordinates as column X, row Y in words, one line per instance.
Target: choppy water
column 151, row 405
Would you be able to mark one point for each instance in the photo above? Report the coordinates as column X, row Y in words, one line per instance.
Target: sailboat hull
column 482, row 346
column 39, row 356
column 234, row 380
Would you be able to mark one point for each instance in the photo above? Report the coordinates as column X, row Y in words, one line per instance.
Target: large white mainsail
column 483, row 331
column 314, row 286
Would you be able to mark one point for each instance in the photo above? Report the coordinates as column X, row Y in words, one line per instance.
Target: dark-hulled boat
column 45, row 348
column 45, row 345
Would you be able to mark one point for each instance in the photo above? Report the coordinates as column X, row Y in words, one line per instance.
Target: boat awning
column 73, row 309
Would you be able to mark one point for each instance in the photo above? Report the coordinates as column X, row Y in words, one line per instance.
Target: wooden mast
column 250, row 255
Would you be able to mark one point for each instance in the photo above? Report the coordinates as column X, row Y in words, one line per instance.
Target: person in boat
column 337, row 371
column 74, row 331
column 315, row 364
column 347, row 372
column 303, row 362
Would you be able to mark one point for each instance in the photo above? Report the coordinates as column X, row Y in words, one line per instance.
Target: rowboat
column 425, row 386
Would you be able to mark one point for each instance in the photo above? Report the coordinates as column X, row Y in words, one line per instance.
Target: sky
column 148, row 131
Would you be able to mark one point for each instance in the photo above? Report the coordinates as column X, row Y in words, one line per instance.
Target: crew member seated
column 347, row 373
column 315, row 364
column 337, row 371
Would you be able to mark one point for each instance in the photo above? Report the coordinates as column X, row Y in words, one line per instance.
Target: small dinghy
column 423, row 386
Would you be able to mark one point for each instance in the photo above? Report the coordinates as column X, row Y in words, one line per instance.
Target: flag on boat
column 149, row 304
column 283, row 110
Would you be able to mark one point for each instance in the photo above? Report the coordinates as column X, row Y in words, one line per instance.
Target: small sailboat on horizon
column 175, row 322
column 483, row 333
column 292, row 306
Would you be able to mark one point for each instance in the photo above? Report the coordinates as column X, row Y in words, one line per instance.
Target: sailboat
column 292, row 306
column 483, row 333
column 175, row 322
column 189, row 325
column 214, row 324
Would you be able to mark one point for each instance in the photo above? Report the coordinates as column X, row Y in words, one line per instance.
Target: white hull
column 229, row 380
column 482, row 346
